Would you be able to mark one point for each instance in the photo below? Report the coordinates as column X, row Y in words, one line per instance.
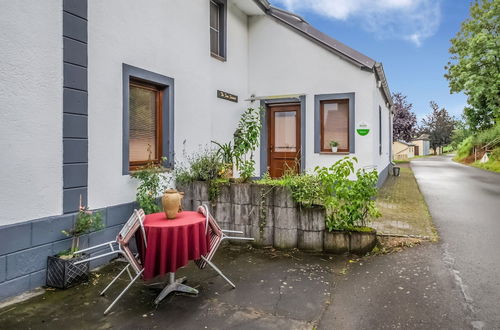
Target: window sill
column 218, row 57
column 164, row 170
column 334, row 153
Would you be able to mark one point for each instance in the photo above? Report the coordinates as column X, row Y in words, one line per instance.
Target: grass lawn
column 491, row 165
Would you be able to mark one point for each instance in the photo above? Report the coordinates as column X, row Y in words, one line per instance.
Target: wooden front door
column 284, row 138
column 416, row 151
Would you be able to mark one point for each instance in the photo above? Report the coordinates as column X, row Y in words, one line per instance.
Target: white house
column 422, row 145
column 86, row 84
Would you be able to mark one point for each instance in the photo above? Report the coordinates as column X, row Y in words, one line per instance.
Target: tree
column 439, row 125
column 405, row 121
column 474, row 66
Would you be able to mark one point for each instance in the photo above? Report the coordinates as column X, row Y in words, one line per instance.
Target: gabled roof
column 422, row 137
column 405, row 143
column 301, row 26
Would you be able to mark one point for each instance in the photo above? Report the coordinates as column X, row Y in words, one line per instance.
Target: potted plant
column 226, row 155
column 62, row 273
column 334, row 145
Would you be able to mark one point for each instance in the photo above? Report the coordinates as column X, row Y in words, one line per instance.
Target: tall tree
column 474, row 66
column 439, row 125
column 405, row 121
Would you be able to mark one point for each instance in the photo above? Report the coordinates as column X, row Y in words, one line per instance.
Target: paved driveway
column 465, row 205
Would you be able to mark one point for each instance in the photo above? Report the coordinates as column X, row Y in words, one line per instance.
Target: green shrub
column 465, row 148
column 205, row 165
column 306, row 188
column 152, row 182
column 349, row 203
column 484, row 137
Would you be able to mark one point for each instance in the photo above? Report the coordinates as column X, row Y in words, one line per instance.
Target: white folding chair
column 217, row 235
column 121, row 247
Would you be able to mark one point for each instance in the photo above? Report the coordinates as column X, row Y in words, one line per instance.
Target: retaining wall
column 270, row 215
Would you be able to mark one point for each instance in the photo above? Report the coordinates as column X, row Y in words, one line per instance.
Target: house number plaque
column 227, row 96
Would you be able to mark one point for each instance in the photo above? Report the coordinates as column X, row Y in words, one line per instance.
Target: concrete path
column 452, row 284
column 465, row 205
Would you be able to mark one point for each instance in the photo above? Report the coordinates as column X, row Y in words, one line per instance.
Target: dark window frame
column 158, row 90
column 322, row 125
column 221, row 53
column 317, row 120
column 134, row 74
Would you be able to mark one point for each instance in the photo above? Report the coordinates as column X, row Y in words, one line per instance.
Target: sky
column 410, row 37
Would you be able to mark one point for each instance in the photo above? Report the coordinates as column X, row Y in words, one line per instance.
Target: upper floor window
column 218, row 29
column 145, row 119
column 334, row 124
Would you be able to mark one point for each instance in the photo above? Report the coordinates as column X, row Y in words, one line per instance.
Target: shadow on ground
column 280, row 290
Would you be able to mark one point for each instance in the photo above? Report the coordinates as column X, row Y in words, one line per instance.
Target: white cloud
column 412, row 20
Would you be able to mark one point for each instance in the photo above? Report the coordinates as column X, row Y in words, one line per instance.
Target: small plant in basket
column 62, row 272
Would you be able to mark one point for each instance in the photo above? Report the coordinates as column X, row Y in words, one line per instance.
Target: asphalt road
column 452, row 284
column 465, row 205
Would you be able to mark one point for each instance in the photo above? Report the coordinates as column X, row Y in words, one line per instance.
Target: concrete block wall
column 266, row 213
column 24, row 247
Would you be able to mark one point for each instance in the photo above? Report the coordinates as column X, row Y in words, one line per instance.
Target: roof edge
column 379, row 70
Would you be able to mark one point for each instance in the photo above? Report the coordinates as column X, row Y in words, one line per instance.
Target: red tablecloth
column 172, row 243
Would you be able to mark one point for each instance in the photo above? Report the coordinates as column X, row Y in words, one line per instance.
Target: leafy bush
column 349, row 202
column 206, row 166
column 465, row 148
column 152, row 182
column 487, row 136
column 306, row 188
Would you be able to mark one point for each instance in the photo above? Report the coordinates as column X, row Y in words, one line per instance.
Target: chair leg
column 114, row 280
column 123, row 292
column 218, row 271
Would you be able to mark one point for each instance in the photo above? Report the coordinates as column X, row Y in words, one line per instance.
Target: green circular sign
column 362, row 128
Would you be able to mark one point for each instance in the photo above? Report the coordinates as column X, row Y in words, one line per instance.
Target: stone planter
column 270, row 215
column 262, row 215
column 286, row 221
column 310, row 228
column 240, row 193
column 362, row 242
column 339, row 242
column 336, row 242
column 187, row 201
column 200, row 193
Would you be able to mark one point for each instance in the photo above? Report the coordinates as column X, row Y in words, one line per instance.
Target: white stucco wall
column 281, row 61
column 31, row 109
column 170, row 38
column 381, row 160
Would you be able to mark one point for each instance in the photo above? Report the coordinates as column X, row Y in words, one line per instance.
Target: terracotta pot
column 228, row 171
column 171, row 202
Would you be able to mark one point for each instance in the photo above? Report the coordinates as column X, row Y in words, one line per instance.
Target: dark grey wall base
column 24, row 247
column 382, row 176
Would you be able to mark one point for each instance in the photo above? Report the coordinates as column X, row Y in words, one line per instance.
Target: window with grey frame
column 148, row 118
column 218, row 29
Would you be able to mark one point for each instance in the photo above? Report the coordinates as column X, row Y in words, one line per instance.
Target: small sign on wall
column 227, row 96
column 363, row 128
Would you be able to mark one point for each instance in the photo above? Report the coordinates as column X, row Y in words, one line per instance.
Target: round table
column 171, row 243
